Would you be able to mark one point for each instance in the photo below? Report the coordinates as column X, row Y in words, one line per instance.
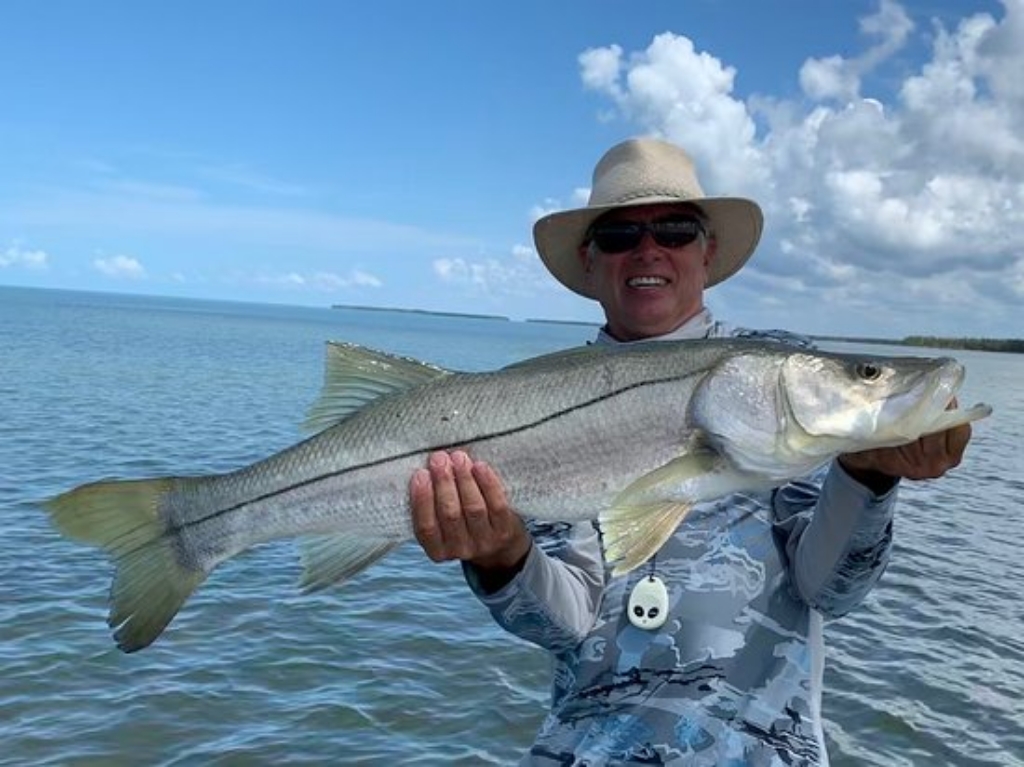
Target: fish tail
column 153, row 575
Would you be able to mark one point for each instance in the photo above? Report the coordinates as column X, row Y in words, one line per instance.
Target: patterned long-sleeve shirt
column 734, row 675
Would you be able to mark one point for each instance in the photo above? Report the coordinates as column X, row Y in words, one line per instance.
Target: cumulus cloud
column 320, row 281
column 520, row 273
column 865, row 187
column 671, row 89
column 120, row 267
column 834, row 77
column 577, row 199
column 356, row 278
column 17, row 256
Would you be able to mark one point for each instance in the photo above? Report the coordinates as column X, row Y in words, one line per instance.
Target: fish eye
column 869, row 371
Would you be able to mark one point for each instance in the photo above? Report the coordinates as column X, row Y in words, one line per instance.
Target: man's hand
column 460, row 511
column 929, row 457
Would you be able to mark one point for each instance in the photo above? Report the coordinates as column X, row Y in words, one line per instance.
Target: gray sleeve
column 553, row 601
column 837, row 539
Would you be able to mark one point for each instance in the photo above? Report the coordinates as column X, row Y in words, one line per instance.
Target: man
column 710, row 654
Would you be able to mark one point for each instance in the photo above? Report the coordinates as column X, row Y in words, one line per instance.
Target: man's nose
column 646, row 245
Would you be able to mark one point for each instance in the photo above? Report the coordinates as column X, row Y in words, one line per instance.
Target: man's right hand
column 460, row 511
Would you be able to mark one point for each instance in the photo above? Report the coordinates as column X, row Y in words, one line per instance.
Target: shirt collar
column 698, row 326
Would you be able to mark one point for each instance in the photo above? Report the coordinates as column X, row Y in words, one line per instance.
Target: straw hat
column 646, row 171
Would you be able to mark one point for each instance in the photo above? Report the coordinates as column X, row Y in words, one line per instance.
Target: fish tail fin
column 152, row 578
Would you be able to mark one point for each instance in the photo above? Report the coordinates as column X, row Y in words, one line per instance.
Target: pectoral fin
column 650, row 509
column 632, row 534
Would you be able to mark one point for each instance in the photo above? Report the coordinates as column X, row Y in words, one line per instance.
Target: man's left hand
column 929, row 457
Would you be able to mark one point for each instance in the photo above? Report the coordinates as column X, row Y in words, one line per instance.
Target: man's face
column 649, row 289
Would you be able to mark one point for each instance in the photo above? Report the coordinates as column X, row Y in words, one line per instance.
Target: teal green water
column 402, row 666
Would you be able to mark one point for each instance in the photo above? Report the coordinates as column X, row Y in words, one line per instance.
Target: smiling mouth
column 646, row 282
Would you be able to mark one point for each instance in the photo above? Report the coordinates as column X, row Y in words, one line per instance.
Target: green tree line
column 981, row 344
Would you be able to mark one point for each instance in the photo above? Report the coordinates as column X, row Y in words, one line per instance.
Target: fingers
column 438, row 520
column 956, row 441
column 929, row 457
column 424, row 517
column 933, row 455
column 507, row 528
column 448, row 506
column 459, row 509
column 474, row 522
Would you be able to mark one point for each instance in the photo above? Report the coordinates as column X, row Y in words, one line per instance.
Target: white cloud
column 834, row 77
column 830, row 77
column 520, row 273
column 577, row 199
column 319, row 281
column 120, row 267
column 356, row 278
column 863, row 192
column 600, row 68
column 670, row 89
column 17, row 256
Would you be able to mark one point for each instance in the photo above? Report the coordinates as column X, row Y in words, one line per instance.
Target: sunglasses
column 622, row 236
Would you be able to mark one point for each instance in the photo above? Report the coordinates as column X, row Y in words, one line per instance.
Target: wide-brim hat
column 647, row 171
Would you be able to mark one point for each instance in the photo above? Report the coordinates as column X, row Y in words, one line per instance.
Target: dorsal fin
column 356, row 375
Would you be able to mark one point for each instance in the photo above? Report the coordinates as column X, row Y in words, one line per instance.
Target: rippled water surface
column 403, row 666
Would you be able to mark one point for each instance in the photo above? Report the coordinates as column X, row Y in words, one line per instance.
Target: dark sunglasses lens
column 675, row 234
column 620, row 236
column 617, row 238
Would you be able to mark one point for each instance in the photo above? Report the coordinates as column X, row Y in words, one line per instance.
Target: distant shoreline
column 360, row 308
column 1012, row 345
column 582, row 323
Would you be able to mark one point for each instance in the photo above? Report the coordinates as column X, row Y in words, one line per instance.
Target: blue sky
column 397, row 153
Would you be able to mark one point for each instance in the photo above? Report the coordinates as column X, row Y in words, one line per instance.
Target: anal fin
column 334, row 559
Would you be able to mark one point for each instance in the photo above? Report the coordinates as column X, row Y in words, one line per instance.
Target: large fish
column 632, row 436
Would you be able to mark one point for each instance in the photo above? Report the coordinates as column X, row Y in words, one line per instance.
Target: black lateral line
column 449, row 446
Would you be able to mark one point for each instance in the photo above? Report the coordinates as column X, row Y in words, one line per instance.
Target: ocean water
column 403, row 666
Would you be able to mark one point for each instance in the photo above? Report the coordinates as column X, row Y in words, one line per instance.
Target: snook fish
column 632, row 436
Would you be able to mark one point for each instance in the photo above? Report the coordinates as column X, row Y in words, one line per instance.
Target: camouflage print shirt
column 734, row 675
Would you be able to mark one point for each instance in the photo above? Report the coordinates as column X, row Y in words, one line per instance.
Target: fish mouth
column 936, row 409
column 928, row 414
column 941, row 411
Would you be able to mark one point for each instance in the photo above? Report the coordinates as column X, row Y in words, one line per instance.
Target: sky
column 397, row 153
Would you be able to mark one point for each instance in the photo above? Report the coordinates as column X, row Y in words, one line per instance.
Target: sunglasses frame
column 666, row 233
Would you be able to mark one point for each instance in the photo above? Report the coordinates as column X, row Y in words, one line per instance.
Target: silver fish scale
column 633, row 436
column 566, row 432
